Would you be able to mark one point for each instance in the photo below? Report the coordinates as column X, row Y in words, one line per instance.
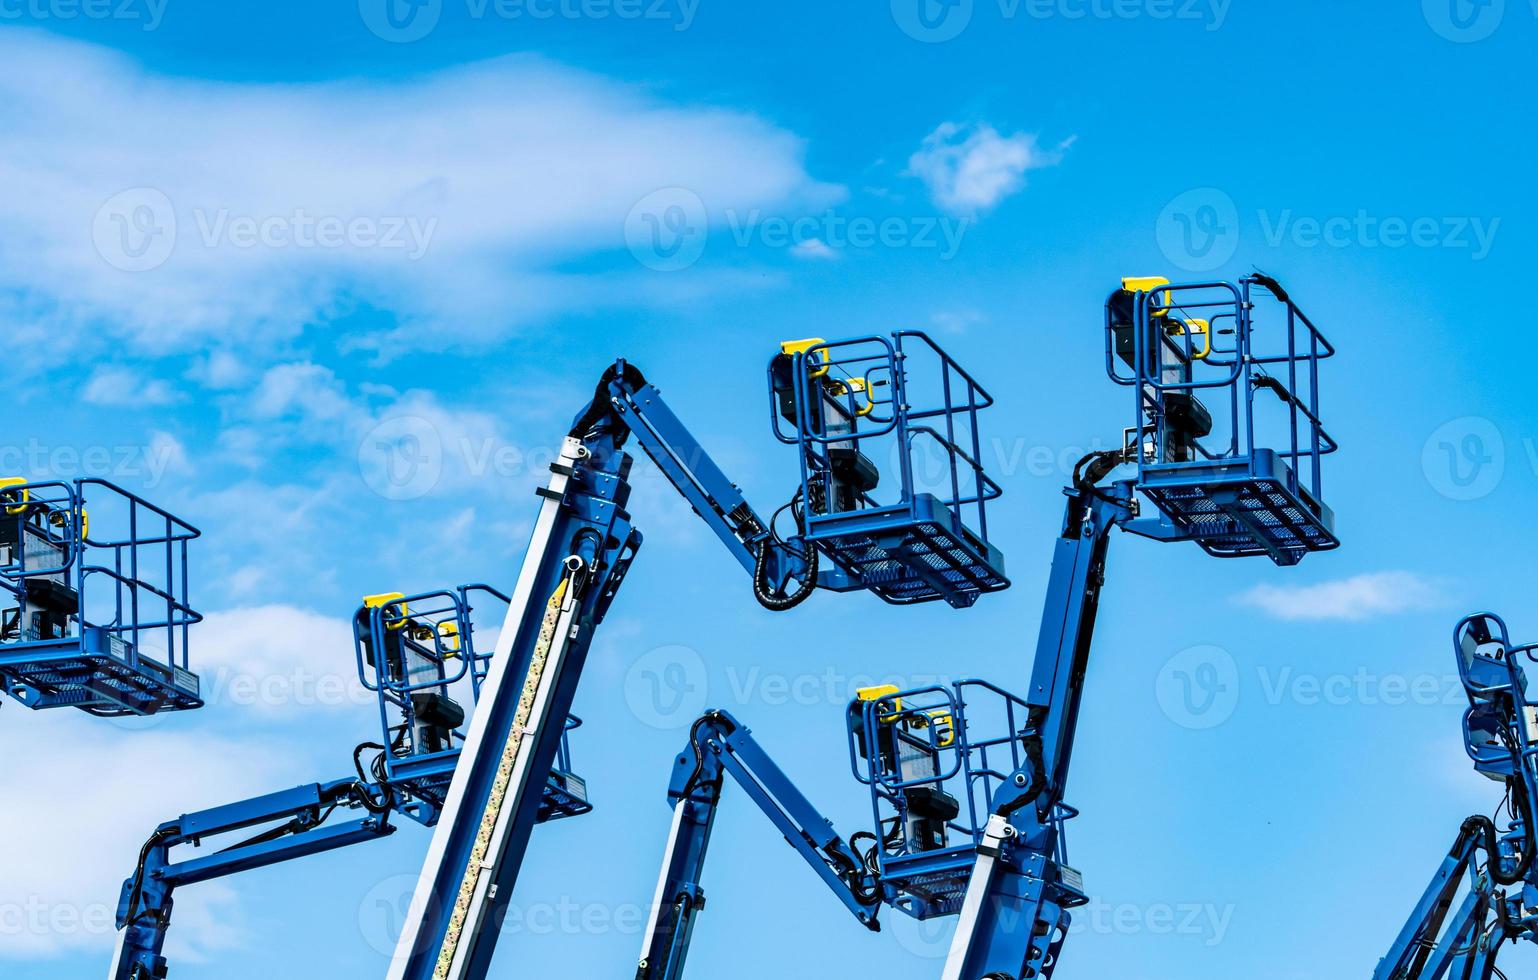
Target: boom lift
column 1239, row 475
column 94, row 611
column 931, row 771
column 417, row 653
column 1500, row 734
column 919, row 535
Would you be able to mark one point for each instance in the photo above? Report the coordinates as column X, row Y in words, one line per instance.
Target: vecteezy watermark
column 36, row 917
column 404, row 21
column 40, row 461
column 138, row 229
column 1467, row 21
column 669, row 687
column 401, row 458
column 1198, row 688
column 1465, row 459
column 668, row 231
column 938, row 21
column 148, row 14
column 1201, row 230
column 830, row 233
column 1363, row 230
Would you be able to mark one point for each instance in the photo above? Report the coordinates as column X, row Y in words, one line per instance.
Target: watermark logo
column 382, row 913
column 148, row 14
column 1199, row 230
column 1464, row 21
column 1465, row 459
column 135, row 230
column 667, row 688
column 401, row 458
column 1198, row 688
column 401, row 21
column 667, row 229
column 933, row 21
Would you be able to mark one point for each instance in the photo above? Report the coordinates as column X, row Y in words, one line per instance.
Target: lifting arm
column 144, row 911
column 719, row 746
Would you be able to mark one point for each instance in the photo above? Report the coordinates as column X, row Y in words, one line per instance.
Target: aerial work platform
column 94, row 611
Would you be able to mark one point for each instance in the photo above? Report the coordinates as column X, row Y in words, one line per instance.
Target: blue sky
column 243, row 244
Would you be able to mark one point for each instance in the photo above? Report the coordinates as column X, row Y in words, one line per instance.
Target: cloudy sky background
column 245, row 252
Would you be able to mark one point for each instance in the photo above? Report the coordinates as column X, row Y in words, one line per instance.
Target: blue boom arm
column 720, row 746
column 1500, row 733
column 144, row 911
column 581, row 548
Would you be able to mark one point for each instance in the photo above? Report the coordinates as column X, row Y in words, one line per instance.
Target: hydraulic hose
column 762, row 588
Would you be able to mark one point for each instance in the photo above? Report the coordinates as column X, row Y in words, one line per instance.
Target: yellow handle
column 1198, row 328
column 385, row 599
column 791, row 348
column 943, row 716
column 858, row 386
column 26, row 495
column 448, row 631
column 57, row 520
column 1150, row 284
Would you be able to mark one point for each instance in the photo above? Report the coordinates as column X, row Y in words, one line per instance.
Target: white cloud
column 507, row 168
column 278, row 660
column 971, row 169
column 121, row 387
column 1356, row 598
column 813, row 248
column 957, row 321
column 100, row 791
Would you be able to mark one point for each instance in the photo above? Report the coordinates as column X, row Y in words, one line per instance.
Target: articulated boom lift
column 918, row 535
column 930, row 777
column 1500, row 733
column 93, row 600
column 417, row 653
column 1238, row 473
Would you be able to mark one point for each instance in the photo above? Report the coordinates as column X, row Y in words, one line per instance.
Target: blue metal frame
column 1500, row 733
column 927, row 537
column 94, row 581
column 1252, row 486
column 900, row 743
column 581, row 549
column 404, row 781
column 433, row 637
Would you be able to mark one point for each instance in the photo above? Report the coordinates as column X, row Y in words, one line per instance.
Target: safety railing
column 1227, row 431
column 96, row 586
column 972, row 731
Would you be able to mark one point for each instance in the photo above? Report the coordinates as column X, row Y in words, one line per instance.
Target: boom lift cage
column 940, row 754
column 94, row 612
column 1240, row 474
column 418, row 653
column 851, row 406
column 1500, row 727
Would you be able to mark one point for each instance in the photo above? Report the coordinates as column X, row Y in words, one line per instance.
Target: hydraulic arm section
column 720, row 746
column 1500, row 733
column 931, row 767
column 1214, row 480
column 418, row 653
column 842, row 405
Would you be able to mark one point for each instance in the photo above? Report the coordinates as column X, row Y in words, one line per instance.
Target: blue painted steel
column 1242, row 475
column 427, row 653
column 94, row 609
column 720, row 746
column 589, row 548
column 931, row 757
column 901, row 399
column 1500, row 733
column 929, row 554
column 144, row 909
